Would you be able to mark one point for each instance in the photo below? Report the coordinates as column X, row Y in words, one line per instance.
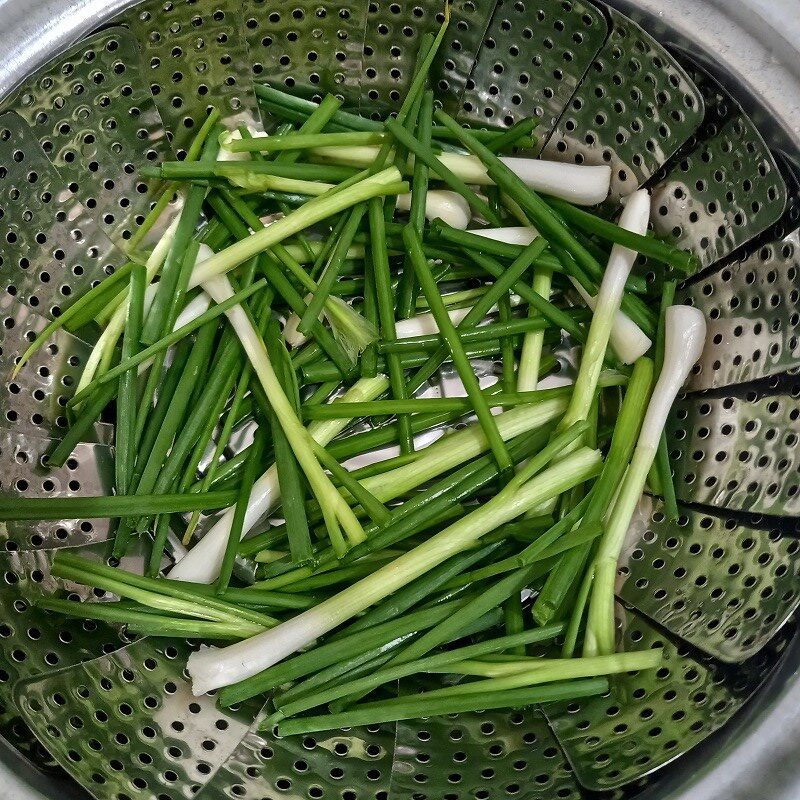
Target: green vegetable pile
column 296, row 316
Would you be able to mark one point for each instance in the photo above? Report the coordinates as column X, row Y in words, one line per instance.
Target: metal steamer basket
column 699, row 101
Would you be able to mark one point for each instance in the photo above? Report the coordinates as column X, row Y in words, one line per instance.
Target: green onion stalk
column 661, row 468
column 455, row 347
column 343, row 527
column 561, row 581
column 350, row 330
column 212, row 669
column 387, row 181
column 297, row 700
column 110, row 506
column 460, row 447
column 417, row 706
column 80, row 313
column 685, row 333
column 577, row 183
column 144, row 621
column 531, row 355
column 627, row 339
column 442, row 204
column 202, row 563
column 189, row 320
column 110, row 336
column 635, row 216
column 533, row 671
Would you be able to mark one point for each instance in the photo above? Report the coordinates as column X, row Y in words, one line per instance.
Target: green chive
column 382, row 281
column 290, row 477
column 125, row 450
column 448, row 331
column 251, row 471
column 430, row 159
column 416, row 707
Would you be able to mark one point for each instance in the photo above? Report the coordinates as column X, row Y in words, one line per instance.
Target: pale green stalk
column 456, row 298
column 312, row 212
column 211, row 669
column 159, row 254
column 296, row 700
column 173, row 605
column 634, row 217
column 108, row 339
column 202, row 563
column 684, row 340
column 256, row 183
column 531, row 357
column 455, row 449
column 532, row 671
column 301, row 141
column 580, row 184
column 337, row 513
column 303, row 254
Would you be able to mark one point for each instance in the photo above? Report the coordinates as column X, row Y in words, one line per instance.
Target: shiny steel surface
column 127, row 723
column 325, row 764
column 88, row 471
column 650, row 718
column 36, row 397
column 53, row 248
column 721, row 585
column 391, row 38
column 737, row 448
column 722, row 187
column 310, row 51
column 132, row 87
column 94, row 117
column 752, row 756
column 753, row 317
column 635, row 108
column 751, row 48
column 481, row 755
column 192, row 55
column 507, row 85
column 31, row 643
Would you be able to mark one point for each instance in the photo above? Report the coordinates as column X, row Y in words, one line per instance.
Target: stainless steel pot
column 751, row 47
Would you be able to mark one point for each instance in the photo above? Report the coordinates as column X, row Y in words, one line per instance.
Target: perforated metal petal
column 738, row 449
column 650, row 718
column 719, row 584
column 306, row 46
column 127, row 725
column 33, row 642
column 391, row 41
column 193, row 57
column 352, row 764
column 498, row 754
column 456, row 59
column 34, row 400
column 791, row 216
column 635, row 107
column 721, row 190
column 533, row 57
column 51, row 251
column 89, row 471
column 91, row 110
column 753, row 312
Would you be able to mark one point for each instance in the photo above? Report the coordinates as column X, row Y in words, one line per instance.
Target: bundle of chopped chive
column 318, row 278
